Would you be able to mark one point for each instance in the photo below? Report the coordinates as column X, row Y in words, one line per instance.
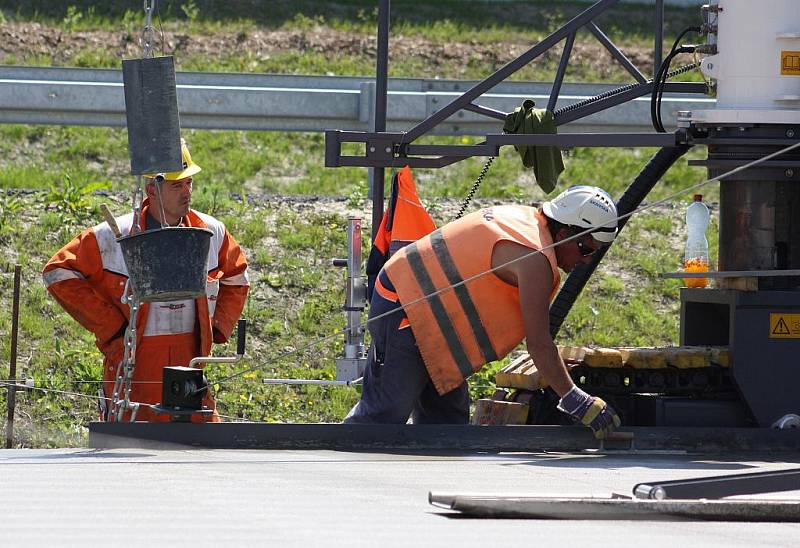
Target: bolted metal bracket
column 350, row 369
column 351, row 366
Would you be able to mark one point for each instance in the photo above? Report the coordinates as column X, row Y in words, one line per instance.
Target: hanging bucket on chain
column 168, row 264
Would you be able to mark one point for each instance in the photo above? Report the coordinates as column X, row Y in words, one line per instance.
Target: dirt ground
column 27, row 40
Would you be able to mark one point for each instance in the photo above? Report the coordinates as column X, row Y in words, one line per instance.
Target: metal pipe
column 566, row 140
column 382, row 65
column 12, row 370
column 486, row 111
column 381, row 85
column 616, row 53
column 355, row 300
column 717, row 487
column 209, row 359
column 659, row 44
column 562, row 69
column 570, row 113
column 312, row 382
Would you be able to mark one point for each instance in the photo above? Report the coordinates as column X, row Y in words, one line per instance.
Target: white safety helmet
column 585, row 207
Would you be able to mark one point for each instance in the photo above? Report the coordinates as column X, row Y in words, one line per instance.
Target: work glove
column 591, row 411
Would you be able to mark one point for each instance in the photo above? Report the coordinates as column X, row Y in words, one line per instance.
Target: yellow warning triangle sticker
column 781, row 328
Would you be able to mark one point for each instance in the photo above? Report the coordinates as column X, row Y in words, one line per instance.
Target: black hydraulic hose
column 630, row 200
column 658, row 87
column 661, row 78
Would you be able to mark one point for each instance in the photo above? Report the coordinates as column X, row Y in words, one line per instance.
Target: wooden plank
column 688, row 357
column 572, row 354
column 531, row 379
column 643, row 358
column 522, row 373
column 516, row 362
column 720, row 356
column 493, row 412
column 513, row 375
column 603, row 357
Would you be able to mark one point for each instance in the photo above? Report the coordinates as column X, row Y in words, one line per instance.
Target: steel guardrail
column 276, row 102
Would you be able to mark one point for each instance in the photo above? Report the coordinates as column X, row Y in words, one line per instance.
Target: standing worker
column 88, row 276
column 421, row 356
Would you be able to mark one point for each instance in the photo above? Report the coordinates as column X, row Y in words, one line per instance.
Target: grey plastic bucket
column 167, row 264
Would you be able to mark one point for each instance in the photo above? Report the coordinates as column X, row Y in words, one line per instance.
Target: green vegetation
column 289, row 212
column 443, row 19
column 430, row 39
column 249, row 162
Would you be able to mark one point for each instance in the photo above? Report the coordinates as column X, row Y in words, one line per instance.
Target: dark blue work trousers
column 396, row 383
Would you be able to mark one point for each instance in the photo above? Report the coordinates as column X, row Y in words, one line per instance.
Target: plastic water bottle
column 696, row 256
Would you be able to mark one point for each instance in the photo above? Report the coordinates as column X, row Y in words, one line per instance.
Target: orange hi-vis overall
column 459, row 330
column 87, row 277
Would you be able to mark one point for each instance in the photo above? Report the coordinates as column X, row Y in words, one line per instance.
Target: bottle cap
column 698, row 197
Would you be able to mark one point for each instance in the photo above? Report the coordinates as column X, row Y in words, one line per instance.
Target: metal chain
column 138, row 198
column 475, row 187
column 127, row 366
column 148, row 32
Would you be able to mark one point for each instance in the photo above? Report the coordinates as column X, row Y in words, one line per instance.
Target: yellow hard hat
column 189, row 167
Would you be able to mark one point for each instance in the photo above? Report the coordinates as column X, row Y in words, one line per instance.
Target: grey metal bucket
column 168, row 264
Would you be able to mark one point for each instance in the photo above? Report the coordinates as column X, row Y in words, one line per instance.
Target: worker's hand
column 591, row 411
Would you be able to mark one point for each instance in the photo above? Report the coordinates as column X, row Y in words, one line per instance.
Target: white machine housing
column 757, row 65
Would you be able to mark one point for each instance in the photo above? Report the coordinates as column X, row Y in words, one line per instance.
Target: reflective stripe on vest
column 437, row 306
column 460, row 330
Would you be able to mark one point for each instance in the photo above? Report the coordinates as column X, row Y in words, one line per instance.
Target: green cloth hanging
column 545, row 160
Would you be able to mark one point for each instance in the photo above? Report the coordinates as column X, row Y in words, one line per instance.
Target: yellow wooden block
column 517, row 362
column 530, row 379
column 494, row 412
column 521, row 374
column 572, row 354
column 643, row 358
column 513, row 375
column 603, row 357
column 720, row 356
column 688, row 357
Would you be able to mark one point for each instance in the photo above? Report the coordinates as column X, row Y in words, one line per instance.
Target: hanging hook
column 148, row 32
column 149, row 7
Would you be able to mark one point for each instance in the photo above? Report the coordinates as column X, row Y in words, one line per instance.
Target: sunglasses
column 584, row 250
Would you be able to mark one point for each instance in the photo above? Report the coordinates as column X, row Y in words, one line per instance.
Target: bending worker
column 87, row 277
column 421, row 356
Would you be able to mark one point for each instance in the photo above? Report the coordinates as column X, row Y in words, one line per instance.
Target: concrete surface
column 72, row 497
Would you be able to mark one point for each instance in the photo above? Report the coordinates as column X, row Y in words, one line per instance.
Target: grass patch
column 248, row 162
column 442, row 25
column 441, row 19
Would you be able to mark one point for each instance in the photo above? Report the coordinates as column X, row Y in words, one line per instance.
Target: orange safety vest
column 404, row 221
column 460, row 330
